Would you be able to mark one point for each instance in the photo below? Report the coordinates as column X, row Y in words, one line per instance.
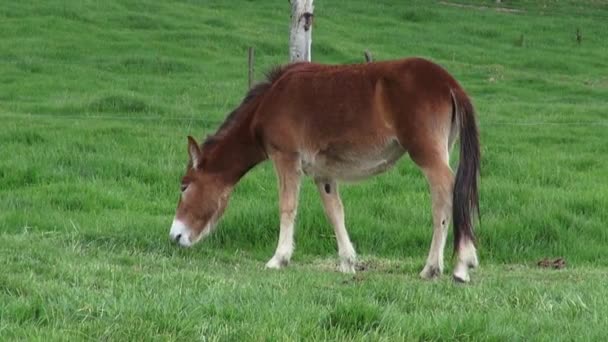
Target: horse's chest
column 349, row 163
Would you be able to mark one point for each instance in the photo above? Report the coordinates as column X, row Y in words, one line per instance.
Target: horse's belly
column 351, row 163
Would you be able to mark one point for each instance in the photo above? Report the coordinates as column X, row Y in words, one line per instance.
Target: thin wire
column 598, row 13
column 217, row 122
column 543, row 123
column 106, row 117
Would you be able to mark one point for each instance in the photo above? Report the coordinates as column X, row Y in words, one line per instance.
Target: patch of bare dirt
column 558, row 263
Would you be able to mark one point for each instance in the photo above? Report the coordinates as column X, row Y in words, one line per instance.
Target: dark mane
column 254, row 93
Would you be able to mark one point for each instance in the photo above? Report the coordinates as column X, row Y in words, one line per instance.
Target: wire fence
column 599, row 12
column 212, row 123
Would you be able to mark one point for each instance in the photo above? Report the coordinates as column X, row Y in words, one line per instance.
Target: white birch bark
column 300, row 37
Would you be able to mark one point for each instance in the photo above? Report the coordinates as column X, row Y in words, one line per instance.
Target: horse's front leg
column 288, row 169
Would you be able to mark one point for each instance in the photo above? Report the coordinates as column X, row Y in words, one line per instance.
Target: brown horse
column 342, row 123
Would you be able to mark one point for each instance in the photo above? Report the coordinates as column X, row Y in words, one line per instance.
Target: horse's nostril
column 178, row 237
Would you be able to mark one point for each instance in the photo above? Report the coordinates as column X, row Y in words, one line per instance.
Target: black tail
column 466, row 198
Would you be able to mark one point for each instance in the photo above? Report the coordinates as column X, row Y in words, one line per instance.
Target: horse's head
column 203, row 200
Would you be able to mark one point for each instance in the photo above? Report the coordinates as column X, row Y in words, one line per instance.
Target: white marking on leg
column 282, row 256
column 434, row 263
column 288, row 171
column 467, row 259
column 440, row 180
column 335, row 213
column 346, row 251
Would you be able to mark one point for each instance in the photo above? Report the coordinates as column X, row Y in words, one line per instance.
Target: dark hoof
column 430, row 273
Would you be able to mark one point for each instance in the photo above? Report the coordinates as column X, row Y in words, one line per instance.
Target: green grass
column 71, row 288
column 96, row 101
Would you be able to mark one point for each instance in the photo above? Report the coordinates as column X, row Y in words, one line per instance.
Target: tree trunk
column 300, row 38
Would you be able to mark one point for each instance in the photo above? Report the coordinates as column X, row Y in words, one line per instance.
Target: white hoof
column 347, row 266
column 467, row 259
column 474, row 262
column 348, row 261
column 461, row 272
column 277, row 263
column 461, row 275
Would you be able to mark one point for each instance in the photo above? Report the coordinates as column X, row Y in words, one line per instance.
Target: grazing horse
column 342, row 123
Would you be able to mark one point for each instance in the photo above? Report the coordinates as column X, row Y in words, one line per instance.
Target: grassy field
column 96, row 101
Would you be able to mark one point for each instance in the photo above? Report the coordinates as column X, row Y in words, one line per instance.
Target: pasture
column 96, row 101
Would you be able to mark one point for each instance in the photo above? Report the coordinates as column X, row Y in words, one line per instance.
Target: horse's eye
column 184, row 186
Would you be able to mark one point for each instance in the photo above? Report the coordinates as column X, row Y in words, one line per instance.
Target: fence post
column 300, row 34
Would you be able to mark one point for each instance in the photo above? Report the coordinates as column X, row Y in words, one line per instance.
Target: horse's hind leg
column 441, row 182
column 335, row 213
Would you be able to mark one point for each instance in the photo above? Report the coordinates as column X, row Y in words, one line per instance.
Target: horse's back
column 357, row 111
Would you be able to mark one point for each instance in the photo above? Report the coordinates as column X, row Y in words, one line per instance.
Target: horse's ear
column 194, row 152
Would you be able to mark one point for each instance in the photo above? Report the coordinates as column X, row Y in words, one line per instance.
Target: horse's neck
column 234, row 154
